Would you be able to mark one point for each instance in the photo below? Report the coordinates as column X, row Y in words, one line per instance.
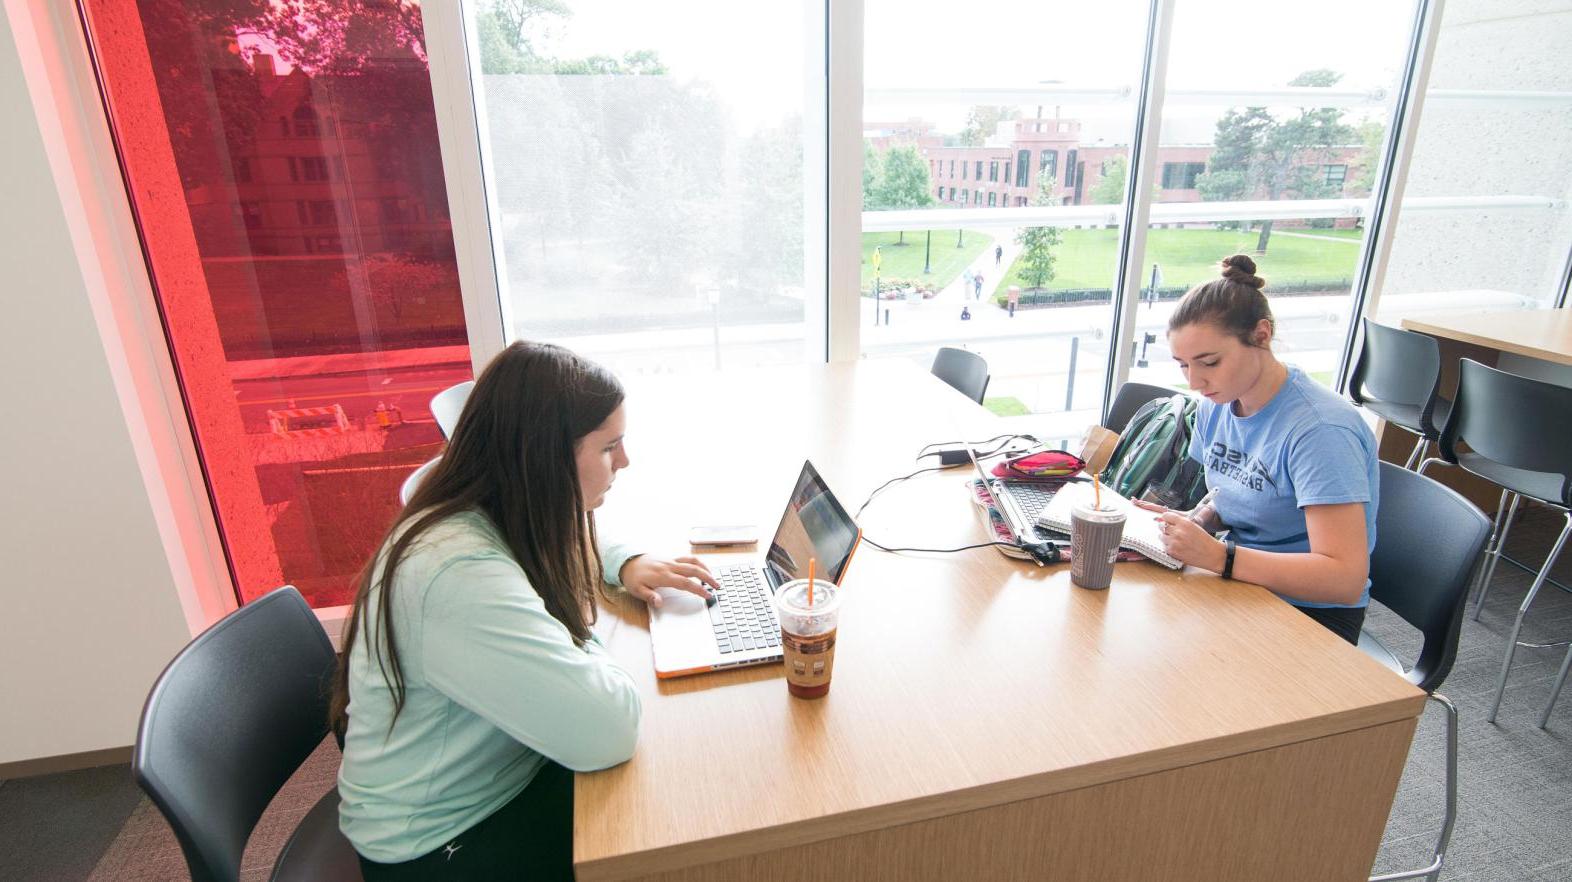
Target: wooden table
column 1534, row 333
column 1544, row 334
column 987, row 719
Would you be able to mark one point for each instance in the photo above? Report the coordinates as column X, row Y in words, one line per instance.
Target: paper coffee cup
column 1094, row 545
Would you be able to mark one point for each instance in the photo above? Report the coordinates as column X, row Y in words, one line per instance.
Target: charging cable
column 1042, row 552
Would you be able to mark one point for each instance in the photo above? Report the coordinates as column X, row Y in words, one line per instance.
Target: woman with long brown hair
column 470, row 686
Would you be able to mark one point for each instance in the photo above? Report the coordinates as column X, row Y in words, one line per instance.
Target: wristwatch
column 1229, row 547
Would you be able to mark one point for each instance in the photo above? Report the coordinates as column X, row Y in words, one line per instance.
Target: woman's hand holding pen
column 1188, row 535
column 1204, row 512
column 644, row 575
column 1188, row 542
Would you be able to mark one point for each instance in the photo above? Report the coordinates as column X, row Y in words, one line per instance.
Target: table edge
column 1488, row 342
column 983, row 796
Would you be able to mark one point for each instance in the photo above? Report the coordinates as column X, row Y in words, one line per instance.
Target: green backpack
column 1152, row 457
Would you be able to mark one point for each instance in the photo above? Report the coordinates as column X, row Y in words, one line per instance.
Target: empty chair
column 412, row 483
column 1516, row 432
column 965, row 371
column 1429, row 542
column 231, row 718
column 1129, row 400
column 1398, row 377
column 448, row 404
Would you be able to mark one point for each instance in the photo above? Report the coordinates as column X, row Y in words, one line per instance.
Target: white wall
column 1494, row 148
column 88, row 611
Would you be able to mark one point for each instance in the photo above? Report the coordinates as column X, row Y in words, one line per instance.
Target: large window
column 1248, row 128
column 1263, row 147
column 309, row 327
column 1038, row 232
column 658, row 192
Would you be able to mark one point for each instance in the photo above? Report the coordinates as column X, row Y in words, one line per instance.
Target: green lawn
column 1006, row 406
column 1085, row 258
column 905, row 261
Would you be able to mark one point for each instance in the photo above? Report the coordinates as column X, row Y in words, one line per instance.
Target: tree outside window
column 1258, row 154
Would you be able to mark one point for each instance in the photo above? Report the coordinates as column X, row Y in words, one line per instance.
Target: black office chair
column 228, row 721
column 1398, row 378
column 1428, row 542
column 965, row 371
column 1516, row 432
column 1129, row 400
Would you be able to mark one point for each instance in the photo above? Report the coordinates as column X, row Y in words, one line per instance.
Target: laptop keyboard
column 1031, row 498
column 742, row 615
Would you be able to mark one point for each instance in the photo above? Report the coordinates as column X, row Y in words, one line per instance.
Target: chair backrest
column 965, row 371
column 1398, row 367
column 1428, row 541
column 448, row 404
column 412, row 483
column 1514, row 421
column 1129, row 400
column 228, row 721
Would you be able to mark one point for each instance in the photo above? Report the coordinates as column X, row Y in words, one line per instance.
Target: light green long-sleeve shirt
column 494, row 687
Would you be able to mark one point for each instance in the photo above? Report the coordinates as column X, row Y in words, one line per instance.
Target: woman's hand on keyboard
column 644, row 575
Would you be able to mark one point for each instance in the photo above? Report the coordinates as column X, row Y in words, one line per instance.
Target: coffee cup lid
column 1104, row 515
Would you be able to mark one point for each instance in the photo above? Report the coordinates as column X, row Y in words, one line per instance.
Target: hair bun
column 1240, row 268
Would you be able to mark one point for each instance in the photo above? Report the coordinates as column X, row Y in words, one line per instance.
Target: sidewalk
column 982, row 309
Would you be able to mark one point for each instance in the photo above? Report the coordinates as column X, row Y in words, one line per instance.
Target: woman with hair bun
column 1290, row 465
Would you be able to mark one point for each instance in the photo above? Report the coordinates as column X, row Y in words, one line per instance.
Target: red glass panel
column 283, row 166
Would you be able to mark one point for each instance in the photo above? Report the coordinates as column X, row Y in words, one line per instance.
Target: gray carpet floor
column 1514, row 825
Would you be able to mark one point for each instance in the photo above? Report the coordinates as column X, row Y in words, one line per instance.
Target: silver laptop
column 740, row 628
column 1018, row 502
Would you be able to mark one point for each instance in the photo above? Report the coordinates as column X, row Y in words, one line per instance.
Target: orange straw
column 1097, row 493
column 811, row 562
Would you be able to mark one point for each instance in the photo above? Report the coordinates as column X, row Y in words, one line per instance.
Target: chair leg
column 1555, row 691
column 1418, row 454
column 1511, row 647
column 1494, row 548
column 1433, row 872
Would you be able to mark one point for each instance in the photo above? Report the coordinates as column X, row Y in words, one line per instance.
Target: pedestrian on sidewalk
column 1013, row 297
column 966, row 281
column 977, row 285
column 998, row 254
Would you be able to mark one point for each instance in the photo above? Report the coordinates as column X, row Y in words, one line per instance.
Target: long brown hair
column 511, row 458
column 1233, row 303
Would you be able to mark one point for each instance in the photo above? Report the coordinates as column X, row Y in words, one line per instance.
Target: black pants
column 1344, row 621
column 529, row 838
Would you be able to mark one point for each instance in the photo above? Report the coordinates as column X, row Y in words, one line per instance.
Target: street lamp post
column 927, row 254
column 878, row 261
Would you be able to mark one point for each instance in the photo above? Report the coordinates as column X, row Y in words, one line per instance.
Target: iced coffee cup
column 1094, row 545
column 808, row 635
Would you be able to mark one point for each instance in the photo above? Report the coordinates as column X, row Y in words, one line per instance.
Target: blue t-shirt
column 1307, row 446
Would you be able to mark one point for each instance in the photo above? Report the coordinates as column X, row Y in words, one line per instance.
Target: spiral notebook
column 1140, row 525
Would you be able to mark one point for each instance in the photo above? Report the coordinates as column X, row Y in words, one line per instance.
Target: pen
column 1205, row 501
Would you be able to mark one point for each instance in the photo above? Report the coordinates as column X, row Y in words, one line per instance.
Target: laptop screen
column 814, row 526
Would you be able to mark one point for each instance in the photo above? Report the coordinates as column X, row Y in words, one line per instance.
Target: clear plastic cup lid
column 792, row 600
